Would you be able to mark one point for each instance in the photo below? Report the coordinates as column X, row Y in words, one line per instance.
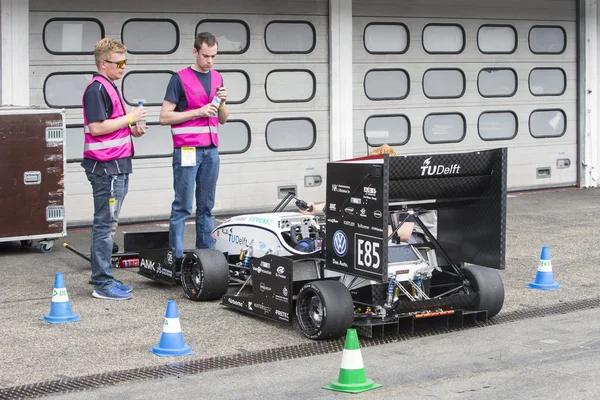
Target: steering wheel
column 294, row 235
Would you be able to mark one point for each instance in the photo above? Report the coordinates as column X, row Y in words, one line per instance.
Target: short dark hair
column 205, row 37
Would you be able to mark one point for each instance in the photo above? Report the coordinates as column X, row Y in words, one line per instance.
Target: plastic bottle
column 216, row 100
column 141, row 122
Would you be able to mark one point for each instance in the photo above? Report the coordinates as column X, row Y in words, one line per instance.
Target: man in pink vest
column 107, row 153
column 194, row 106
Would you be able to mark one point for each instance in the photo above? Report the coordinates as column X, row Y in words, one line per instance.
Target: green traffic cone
column 352, row 378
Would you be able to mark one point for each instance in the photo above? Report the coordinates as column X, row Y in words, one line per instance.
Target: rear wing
column 468, row 190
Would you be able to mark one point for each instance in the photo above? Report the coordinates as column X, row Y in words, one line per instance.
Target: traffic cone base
column 171, row 342
column 544, row 278
column 352, row 378
column 60, row 309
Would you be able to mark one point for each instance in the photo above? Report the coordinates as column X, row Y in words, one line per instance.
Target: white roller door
column 470, row 75
column 275, row 63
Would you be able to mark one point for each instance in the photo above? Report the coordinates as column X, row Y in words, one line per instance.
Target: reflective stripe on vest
column 106, row 144
column 199, row 132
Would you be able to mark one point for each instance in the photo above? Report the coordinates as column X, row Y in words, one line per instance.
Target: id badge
column 188, row 156
column 112, row 205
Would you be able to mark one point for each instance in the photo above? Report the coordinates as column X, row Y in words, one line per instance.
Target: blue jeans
column 204, row 177
column 106, row 218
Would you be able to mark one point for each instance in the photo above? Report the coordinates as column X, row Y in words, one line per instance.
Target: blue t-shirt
column 97, row 107
column 176, row 94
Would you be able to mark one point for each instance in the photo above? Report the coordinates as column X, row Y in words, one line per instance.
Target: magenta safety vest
column 199, row 132
column 114, row 145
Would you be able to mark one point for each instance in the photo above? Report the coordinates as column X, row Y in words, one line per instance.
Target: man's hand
column 138, row 131
column 209, row 110
column 222, row 93
column 138, row 113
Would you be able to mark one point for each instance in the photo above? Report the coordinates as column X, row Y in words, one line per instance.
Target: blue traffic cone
column 60, row 310
column 544, row 278
column 171, row 341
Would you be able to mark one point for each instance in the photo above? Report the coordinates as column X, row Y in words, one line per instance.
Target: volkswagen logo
column 340, row 243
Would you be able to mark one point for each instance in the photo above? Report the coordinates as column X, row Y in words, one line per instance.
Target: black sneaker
column 115, row 248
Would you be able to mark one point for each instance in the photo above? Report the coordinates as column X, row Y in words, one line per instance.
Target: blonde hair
column 104, row 48
column 383, row 149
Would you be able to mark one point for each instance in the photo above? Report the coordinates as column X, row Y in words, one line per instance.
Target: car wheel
column 488, row 283
column 204, row 275
column 324, row 309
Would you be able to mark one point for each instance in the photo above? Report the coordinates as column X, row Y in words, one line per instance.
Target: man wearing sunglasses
column 194, row 106
column 107, row 154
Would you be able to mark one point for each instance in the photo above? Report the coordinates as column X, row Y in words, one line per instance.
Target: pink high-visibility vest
column 199, row 132
column 114, row 145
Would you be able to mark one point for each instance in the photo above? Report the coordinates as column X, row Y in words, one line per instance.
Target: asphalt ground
column 115, row 336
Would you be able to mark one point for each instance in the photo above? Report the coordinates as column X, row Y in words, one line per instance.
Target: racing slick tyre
column 324, row 309
column 488, row 283
column 204, row 275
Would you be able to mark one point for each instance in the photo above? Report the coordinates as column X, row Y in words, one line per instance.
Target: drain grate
column 69, row 385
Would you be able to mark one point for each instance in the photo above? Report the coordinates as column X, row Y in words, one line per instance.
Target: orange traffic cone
column 352, row 378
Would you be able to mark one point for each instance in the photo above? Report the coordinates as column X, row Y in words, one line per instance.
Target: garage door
column 432, row 78
column 274, row 60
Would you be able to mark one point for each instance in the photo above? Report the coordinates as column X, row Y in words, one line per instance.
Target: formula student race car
column 347, row 272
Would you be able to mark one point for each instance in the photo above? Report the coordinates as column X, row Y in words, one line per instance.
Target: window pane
column 497, row 82
column 443, row 39
column 497, row 39
column 443, row 128
column 156, row 141
column 386, row 38
column 238, row 86
column 547, row 39
column 497, row 125
column 146, row 86
column 390, row 129
column 74, row 141
column 288, row 86
column 65, row 89
column 150, row 36
column 72, row 36
column 386, row 84
column 290, row 37
column 234, row 137
column 547, row 81
column 443, row 83
column 547, row 123
column 291, row 134
column 233, row 36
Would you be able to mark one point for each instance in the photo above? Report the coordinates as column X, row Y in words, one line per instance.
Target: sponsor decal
column 355, row 200
column 285, row 291
column 264, row 288
column 262, row 245
column 339, row 263
column 249, row 305
column 235, row 239
column 376, row 229
column 260, row 220
column 340, row 188
column 260, row 270
column 265, row 265
column 349, row 223
column 363, row 212
column 349, row 210
column 370, row 191
column 333, row 221
column 279, row 273
column 170, row 258
column 282, row 314
column 431, row 170
column 148, row 264
column 340, row 243
column 237, row 303
column 332, row 207
column 164, row 271
column 377, row 214
column 361, row 226
column 262, row 307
